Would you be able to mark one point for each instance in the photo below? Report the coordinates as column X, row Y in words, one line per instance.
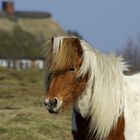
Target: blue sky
column 106, row 24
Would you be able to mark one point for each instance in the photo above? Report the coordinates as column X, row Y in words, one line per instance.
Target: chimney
column 8, row 7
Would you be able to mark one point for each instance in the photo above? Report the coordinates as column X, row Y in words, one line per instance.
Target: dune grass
column 22, row 113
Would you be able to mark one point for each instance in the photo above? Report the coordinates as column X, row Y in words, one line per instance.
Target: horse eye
column 72, row 69
column 78, row 79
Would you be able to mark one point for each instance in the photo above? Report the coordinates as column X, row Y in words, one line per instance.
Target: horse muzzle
column 53, row 105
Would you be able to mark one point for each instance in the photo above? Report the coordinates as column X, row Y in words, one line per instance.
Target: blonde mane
column 106, row 82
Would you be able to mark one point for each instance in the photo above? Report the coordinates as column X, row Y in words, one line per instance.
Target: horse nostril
column 53, row 102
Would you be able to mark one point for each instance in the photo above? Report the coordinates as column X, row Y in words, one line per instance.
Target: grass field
column 22, row 114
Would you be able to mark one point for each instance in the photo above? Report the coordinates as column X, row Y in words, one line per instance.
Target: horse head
column 63, row 81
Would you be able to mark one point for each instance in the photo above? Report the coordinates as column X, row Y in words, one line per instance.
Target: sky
column 105, row 24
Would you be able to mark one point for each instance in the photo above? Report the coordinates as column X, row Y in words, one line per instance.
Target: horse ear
column 78, row 45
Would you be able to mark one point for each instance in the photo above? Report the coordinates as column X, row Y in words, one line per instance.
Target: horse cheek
column 78, row 89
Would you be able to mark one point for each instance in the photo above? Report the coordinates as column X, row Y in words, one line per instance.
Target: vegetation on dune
column 74, row 33
column 19, row 44
column 131, row 53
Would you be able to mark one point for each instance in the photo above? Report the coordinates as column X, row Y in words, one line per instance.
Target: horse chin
column 55, row 111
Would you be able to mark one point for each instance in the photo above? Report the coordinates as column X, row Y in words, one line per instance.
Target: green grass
column 3, row 130
column 22, row 113
column 19, row 43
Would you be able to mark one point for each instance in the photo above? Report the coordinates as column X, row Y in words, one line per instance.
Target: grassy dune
column 46, row 27
column 22, row 114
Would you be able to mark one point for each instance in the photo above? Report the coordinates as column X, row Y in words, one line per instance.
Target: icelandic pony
column 95, row 84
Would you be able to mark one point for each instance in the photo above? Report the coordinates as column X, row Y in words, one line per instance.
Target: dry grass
column 22, row 114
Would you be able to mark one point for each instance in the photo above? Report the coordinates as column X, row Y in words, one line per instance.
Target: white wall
column 21, row 64
column 39, row 64
column 3, row 63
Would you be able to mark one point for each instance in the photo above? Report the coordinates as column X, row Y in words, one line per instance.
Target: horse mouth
column 54, row 111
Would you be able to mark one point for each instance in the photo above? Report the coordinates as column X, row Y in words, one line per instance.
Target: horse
column 106, row 102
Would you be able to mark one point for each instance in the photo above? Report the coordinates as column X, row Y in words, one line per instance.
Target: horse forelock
column 62, row 53
column 107, row 89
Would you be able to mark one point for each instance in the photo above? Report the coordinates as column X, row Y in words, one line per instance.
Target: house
column 39, row 24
